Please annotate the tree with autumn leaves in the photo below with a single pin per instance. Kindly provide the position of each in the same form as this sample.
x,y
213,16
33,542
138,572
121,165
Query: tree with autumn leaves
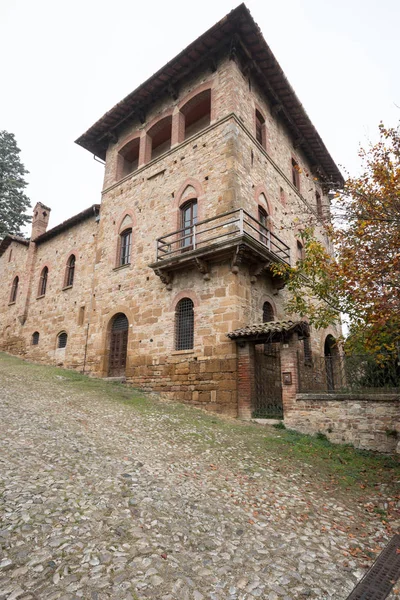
x,y
362,280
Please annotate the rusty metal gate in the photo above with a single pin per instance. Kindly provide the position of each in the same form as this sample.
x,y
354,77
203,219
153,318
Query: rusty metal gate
x,y
268,386
118,346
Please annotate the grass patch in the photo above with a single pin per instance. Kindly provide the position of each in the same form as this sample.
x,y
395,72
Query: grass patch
x,y
342,462
263,447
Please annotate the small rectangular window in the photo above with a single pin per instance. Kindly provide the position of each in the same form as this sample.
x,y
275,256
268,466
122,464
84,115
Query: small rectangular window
x,y
81,316
295,174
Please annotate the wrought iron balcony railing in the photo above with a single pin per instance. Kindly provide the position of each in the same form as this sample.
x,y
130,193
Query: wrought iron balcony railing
x,y
228,229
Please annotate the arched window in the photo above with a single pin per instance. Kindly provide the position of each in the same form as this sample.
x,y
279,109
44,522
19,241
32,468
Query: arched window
x,y
14,290
70,272
35,338
260,129
188,219
197,113
128,158
268,313
295,174
62,339
43,281
125,247
160,136
184,324
263,220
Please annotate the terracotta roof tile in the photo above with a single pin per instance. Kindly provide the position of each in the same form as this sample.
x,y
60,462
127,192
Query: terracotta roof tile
x,y
269,327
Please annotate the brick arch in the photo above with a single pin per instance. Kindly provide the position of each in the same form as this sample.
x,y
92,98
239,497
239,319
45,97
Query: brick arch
x,y
190,181
49,271
185,294
73,252
129,138
207,85
261,189
12,285
164,115
118,224
180,199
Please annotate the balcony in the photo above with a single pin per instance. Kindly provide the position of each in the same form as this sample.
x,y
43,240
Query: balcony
x,y
235,235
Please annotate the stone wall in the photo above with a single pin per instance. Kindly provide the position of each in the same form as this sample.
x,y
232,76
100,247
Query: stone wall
x,y
370,422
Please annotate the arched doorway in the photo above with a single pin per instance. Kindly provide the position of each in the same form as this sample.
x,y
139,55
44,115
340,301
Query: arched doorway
x,y
118,345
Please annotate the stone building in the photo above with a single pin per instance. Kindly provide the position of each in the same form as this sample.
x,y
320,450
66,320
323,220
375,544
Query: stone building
x,y
212,167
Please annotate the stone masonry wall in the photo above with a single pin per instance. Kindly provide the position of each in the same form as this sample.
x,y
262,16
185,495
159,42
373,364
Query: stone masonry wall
x,y
61,308
12,264
368,422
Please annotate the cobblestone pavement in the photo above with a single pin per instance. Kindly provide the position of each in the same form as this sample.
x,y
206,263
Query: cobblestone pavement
x,y
101,499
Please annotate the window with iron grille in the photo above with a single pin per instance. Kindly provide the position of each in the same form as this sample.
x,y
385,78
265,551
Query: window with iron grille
x,y
307,351
14,289
268,312
126,247
43,281
184,324
35,338
62,340
70,271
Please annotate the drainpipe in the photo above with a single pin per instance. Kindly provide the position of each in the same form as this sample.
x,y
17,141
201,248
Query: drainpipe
x,y
97,219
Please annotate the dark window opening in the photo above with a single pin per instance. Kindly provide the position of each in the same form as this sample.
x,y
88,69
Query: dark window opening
x,y
130,157
120,323
197,113
10,256
260,129
160,135
43,281
268,313
35,338
184,325
126,247
318,203
295,174
14,289
188,219
300,251
62,340
263,220
70,271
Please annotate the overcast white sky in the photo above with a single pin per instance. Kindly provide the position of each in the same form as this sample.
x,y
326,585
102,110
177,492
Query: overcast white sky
x,y
64,64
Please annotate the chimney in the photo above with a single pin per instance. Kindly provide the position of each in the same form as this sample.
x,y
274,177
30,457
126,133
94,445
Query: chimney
x,y
40,220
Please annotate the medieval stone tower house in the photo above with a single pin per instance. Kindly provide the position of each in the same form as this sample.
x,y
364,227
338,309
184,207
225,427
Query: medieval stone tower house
x,y
211,168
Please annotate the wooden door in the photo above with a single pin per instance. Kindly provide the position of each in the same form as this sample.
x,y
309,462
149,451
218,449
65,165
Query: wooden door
x,y
118,346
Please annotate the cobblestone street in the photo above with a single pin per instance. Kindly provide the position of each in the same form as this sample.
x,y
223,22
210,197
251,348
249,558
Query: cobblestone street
x,y
102,498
